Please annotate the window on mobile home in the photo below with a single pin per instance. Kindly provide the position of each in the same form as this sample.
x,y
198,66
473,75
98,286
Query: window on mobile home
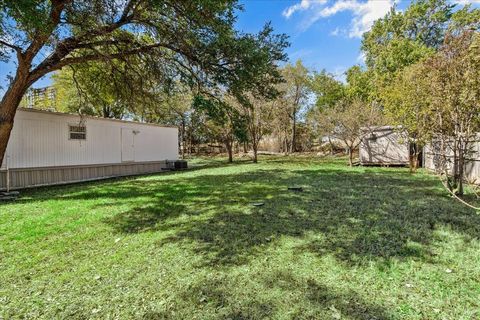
x,y
77,132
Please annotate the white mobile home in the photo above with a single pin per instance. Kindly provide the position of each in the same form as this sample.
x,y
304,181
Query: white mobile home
x,y
384,145
52,148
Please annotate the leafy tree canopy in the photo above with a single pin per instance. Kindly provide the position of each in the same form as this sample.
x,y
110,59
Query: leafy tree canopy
x,y
403,38
194,38
327,89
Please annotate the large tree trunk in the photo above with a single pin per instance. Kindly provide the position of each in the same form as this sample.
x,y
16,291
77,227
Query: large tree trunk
x,y
294,133
461,166
9,104
255,151
229,146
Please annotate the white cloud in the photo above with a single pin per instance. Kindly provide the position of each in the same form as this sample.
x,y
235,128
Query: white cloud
x,y
367,14
465,2
301,6
300,54
361,58
340,73
335,32
364,13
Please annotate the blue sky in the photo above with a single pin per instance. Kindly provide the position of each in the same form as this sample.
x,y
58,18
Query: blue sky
x,y
324,34
324,43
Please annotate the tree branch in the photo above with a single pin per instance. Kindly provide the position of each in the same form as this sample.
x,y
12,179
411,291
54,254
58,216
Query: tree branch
x,y
11,46
43,69
41,37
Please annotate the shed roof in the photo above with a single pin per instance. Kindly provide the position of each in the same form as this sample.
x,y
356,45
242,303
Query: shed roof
x,y
381,128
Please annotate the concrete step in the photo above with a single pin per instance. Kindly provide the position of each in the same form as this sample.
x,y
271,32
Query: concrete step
x,y
9,194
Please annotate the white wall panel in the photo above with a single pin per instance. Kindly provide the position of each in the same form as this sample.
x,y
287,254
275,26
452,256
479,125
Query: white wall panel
x,y
41,139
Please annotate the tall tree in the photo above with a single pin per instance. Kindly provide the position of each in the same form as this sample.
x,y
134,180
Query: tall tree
x,y
295,91
327,90
402,38
195,37
258,114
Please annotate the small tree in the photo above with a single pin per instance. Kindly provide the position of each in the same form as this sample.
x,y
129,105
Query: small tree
x,y
230,124
347,122
257,113
454,82
407,104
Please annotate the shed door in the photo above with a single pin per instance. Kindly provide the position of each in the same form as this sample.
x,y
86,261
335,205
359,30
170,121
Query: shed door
x,y
128,145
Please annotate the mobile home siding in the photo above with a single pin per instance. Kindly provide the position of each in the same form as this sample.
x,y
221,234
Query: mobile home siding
x,y
41,152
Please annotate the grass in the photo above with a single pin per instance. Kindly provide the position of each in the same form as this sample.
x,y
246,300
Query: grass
x,y
357,243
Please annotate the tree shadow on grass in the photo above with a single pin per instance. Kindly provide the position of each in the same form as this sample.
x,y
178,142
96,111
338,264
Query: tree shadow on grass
x,y
377,214
218,296
357,215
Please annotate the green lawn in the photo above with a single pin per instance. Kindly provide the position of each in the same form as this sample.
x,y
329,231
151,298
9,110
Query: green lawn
x,y
357,243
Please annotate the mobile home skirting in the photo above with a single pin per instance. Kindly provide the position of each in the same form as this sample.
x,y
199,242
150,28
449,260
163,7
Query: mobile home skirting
x,y
35,177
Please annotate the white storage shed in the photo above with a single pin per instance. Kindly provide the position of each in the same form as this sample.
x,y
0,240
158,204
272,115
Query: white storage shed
x,y
385,145
48,148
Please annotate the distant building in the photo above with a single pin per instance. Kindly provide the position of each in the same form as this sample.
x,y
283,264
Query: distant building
x,y
40,98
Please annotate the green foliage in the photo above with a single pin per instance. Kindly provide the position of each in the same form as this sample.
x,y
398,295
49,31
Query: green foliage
x,y
327,89
224,116
358,243
465,19
416,74
407,103
295,87
453,86
215,109
359,84
401,39
28,14
143,35
438,99
293,99
93,90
